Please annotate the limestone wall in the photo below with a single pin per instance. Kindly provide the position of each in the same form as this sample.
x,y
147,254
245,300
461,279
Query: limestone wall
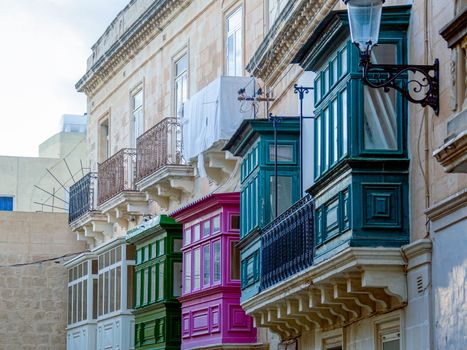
x,y
33,298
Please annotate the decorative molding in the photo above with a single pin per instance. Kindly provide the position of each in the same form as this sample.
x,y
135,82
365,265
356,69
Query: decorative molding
x,y
447,206
138,35
453,154
278,49
456,29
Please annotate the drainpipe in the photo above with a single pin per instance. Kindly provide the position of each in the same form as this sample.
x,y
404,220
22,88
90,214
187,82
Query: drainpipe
x,y
426,118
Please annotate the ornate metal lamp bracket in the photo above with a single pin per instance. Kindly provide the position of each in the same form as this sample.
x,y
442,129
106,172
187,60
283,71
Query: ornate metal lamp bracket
x,y
394,76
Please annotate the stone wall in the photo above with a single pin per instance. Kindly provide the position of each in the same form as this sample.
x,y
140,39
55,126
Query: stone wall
x,y
33,298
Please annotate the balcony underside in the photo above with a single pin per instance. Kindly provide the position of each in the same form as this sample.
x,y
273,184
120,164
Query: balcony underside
x,y
355,284
125,208
92,228
168,184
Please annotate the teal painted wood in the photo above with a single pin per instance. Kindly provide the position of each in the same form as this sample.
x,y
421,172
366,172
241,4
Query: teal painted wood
x,y
373,209
254,141
157,310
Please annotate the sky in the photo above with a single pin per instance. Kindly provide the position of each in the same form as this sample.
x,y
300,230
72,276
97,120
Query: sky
x,y
45,45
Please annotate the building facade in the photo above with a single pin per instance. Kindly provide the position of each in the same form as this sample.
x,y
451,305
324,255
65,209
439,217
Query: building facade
x,y
355,259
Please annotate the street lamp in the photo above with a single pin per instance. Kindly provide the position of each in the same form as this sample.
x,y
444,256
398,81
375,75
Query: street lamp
x,y
365,20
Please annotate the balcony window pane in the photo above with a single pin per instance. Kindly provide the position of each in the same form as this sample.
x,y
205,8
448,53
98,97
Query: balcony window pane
x,y
318,88
112,290
95,300
70,304
118,285
101,294
325,81
130,252
153,283
196,269
284,193
234,261
85,268
160,285
326,139
75,303
177,245
187,272
139,256
284,153
380,119
112,257
196,233
187,236
318,145
334,71
235,220
146,286
138,288
217,261
129,287
177,280
181,84
344,130
85,300
344,60
335,132
106,292
206,265
206,228
161,249
216,224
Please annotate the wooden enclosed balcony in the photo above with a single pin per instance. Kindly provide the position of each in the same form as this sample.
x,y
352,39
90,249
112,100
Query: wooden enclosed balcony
x,y
161,170
118,197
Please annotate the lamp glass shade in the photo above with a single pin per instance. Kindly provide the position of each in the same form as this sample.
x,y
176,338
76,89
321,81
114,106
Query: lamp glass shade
x,y
365,20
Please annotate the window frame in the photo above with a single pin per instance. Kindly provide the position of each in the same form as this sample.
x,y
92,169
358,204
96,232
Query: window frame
x,y
12,198
182,76
227,34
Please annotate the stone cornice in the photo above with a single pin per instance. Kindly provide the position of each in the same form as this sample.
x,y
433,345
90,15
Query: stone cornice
x,y
148,25
447,206
453,154
456,30
295,25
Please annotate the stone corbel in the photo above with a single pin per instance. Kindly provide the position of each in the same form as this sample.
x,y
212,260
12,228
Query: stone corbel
x,y
392,281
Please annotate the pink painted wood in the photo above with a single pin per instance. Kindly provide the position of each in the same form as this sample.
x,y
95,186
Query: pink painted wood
x,y
211,312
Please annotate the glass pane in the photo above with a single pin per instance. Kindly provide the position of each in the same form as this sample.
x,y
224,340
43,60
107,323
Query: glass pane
x,y
206,265
160,286
112,257
70,304
231,55
344,122
85,300
177,245
216,224
234,261
138,288
129,287
196,232
380,123
130,252
139,256
196,269
187,236
326,81
187,272
335,131
177,280
334,71
238,53
235,221
181,65
75,303
146,286
146,253
284,153
85,268
344,59
234,21
318,88
153,284
284,194
101,294
326,140
106,259
95,300
206,228
138,100
112,290
161,248
391,345
318,144
217,261
118,285
106,292
80,270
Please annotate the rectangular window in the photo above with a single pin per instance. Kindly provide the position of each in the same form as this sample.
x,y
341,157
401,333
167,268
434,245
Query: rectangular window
x,y
206,265
187,272
235,221
6,203
138,288
275,7
118,292
284,153
318,144
326,149
335,132
234,44
160,247
216,224
234,261
112,290
344,131
101,294
160,283
206,228
153,283
388,335
177,280
104,140
196,268
216,247
196,233
187,236
181,84
284,194
137,115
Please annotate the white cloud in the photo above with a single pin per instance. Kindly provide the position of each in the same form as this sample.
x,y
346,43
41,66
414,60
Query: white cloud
x,y
45,44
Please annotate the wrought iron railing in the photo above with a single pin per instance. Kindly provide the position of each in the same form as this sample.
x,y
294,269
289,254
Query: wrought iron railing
x,y
82,197
287,243
159,146
116,174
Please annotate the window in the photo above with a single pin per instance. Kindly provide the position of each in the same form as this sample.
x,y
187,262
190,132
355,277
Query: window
x,y
275,7
181,84
388,335
196,268
234,261
187,272
234,51
196,233
104,140
206,265
206,228
6,203
177,280
380,117
160,281
79,278
235,222
188,236
216,224
284,194
137,115
284,153
216,246
250,269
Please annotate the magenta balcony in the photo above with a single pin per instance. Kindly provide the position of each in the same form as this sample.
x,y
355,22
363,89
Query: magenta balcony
x,y
159,146
116,174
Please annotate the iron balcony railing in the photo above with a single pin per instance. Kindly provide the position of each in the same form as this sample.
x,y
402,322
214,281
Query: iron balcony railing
x,y
287,243
82,197
159,146
116,174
